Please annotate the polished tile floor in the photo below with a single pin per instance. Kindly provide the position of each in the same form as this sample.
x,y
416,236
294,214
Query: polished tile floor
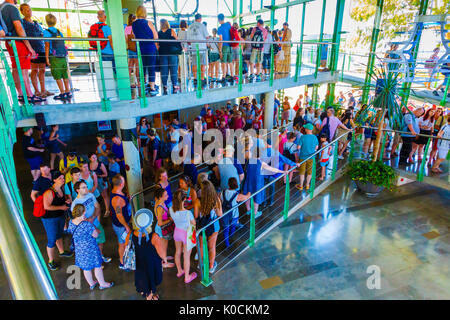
x,y
321,252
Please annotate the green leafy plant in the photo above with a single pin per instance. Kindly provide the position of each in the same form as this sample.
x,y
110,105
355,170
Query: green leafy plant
x,y
376,173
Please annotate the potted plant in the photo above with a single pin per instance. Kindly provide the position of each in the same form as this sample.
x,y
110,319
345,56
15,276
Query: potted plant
x,y
372,176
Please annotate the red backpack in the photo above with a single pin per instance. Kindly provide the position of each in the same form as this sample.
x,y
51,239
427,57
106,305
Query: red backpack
x,y
38,208
234,36
96,32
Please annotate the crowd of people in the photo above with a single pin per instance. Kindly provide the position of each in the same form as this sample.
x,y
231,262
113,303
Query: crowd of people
x,y
82,187
222,58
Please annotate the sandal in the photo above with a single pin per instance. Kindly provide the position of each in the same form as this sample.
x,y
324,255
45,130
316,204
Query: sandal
x,y
191,277
168,265
93,286
106,215
155,296
21,99
169,258
299,187
111,284
436,170
179,275
48,93
307,187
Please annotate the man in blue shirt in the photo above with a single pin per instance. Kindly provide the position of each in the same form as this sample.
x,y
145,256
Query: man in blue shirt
x,y
117,149
107,52
412,125
308,145
224,48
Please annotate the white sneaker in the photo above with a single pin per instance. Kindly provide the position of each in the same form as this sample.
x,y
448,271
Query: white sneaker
x,y
213,268
340,157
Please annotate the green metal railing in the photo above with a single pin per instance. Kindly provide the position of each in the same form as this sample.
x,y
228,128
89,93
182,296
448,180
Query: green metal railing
x,y
204,261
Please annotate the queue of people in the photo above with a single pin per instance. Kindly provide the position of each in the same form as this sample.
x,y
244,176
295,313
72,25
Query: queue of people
x,y
162,57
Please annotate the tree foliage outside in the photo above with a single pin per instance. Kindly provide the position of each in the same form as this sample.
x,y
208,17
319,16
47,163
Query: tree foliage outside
x,y
397,17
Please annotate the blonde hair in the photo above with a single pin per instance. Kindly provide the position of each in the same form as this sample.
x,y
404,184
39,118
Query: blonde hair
x,y
78,210
141,12
50,20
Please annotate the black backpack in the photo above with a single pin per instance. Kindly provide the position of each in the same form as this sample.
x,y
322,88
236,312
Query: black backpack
x,y
259,37
58,47
326,129
226,206
165,150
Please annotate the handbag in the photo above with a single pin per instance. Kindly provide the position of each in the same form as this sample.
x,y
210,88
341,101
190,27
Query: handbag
x,y
168,229
129,255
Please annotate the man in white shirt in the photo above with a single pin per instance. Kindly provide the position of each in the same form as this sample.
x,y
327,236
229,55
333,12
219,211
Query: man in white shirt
x,y
197,31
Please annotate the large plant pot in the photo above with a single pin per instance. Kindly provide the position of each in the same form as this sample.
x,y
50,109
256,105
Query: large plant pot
x,y
368,188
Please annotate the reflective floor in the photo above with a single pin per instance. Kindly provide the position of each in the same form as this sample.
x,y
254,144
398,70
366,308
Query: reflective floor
x,y
323,251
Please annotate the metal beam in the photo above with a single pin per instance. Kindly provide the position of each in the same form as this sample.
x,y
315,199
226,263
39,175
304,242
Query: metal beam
x,y
89,112
279,6
373,47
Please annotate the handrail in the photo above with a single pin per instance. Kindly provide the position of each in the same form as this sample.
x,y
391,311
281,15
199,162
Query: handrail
x,y
406,132
161,40
27,273
181,173
273,181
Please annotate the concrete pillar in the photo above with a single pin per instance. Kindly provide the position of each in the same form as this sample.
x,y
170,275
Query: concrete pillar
x,y
132,161
269,109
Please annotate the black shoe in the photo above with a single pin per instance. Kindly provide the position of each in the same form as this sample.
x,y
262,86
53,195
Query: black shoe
x,y
66,254
52,265
21,99
436,93
165,92
59,97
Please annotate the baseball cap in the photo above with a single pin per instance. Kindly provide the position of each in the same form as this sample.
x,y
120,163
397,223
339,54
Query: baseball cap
x,y
197,16
308,126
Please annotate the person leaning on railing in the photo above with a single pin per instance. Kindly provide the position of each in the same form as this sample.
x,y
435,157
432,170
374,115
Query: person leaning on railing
x,y
144,29
168,56
13,27
412,126
443,146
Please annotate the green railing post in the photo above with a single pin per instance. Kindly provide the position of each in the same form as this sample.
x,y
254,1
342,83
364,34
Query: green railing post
x,y
319,49
444,98
335,160
421,172
251,240
28,109
286,198
343,64
349,62
271,66
383,146
106,104
10,84
240,68
206,281
297,64
352,148
199,74
143,98
312,186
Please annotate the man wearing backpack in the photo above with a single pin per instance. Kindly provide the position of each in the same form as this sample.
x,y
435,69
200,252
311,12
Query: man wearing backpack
x,y
11,24
224,48
259,35
102,30
56,58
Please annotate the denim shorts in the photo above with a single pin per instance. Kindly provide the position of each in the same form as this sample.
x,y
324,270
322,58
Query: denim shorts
x,y
34,162
54,228
119,232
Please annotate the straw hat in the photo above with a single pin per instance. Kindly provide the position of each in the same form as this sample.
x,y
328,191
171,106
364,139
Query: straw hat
x,y
142,222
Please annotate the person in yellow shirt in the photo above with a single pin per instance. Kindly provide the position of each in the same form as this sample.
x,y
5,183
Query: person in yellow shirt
x,y
69,162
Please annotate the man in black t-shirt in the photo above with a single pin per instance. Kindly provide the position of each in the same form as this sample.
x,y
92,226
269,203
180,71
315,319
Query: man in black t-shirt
x,y
43,183
31,152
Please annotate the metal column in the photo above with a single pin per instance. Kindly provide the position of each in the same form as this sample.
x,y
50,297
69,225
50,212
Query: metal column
x,y
373,47
334,57
115,15
319,49
269,98
406,88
